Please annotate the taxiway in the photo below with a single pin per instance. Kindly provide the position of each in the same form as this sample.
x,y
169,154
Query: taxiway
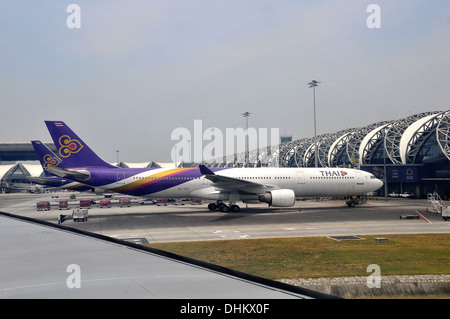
x,y
188,222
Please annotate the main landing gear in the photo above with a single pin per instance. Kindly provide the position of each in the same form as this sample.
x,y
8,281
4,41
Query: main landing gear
x,y
224,207
355,200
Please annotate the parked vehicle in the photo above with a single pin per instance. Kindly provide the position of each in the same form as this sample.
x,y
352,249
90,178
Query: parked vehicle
x,y
196,201
394,194
407,195
125,201
446,213
43,205
105,203
147,201
80,214
178,201
161,201
85,203
63,204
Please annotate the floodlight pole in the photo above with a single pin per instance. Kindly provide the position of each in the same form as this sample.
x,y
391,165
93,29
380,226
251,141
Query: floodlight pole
x,y
175,156
384,163
313,85
246,115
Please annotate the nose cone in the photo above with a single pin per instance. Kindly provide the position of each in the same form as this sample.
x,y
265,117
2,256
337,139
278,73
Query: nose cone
x,y
379,183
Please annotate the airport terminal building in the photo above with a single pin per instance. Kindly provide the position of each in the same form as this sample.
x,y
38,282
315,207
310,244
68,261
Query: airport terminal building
x,y
411,154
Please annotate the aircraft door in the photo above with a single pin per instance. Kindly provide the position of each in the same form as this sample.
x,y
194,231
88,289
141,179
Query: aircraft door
x,y
300,187
359,179
121,177
300,177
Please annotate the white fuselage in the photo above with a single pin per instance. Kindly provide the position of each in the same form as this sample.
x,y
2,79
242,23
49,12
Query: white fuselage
x,y
305,182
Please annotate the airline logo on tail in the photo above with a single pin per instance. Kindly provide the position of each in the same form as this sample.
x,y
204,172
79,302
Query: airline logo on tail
x,y
68,146
51,161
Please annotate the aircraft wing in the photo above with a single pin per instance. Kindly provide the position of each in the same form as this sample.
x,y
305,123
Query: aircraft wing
x,y
233,184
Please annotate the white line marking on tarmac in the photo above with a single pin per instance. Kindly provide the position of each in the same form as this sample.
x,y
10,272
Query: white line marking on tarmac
x,y
423,217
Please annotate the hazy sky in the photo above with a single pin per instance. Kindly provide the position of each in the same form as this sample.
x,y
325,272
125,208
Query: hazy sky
x,y
137,70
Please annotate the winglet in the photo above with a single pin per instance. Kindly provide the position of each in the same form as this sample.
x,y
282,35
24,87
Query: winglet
x,y
205,171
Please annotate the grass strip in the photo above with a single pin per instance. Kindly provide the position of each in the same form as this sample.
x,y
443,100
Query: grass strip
x,y
315,257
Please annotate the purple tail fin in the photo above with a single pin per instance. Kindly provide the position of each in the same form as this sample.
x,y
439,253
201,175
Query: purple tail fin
x,y
46,156
71,149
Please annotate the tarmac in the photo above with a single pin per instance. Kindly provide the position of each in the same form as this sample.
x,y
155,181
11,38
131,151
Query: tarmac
x,y
39,246
188,222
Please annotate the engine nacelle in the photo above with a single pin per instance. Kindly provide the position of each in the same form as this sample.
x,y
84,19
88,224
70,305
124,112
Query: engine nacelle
x,y
279,198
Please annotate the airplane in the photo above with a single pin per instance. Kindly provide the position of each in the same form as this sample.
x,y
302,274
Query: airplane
x,y
32,188
48,159
278,187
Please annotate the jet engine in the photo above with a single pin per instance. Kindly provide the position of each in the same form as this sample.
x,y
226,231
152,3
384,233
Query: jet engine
x,y
279,198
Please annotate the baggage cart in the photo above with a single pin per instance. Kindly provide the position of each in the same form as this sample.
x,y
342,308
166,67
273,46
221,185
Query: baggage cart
x,y
43,205
63,204
125,202
105,203
85,203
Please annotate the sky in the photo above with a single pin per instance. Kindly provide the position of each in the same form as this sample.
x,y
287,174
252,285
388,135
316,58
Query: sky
x,y
136,71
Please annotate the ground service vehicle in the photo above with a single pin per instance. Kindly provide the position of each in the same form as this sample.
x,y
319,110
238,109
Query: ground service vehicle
x,y
446,213
161,201
80,214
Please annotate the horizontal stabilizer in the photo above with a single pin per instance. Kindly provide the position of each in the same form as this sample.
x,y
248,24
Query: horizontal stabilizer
x,y
80,175
45,180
